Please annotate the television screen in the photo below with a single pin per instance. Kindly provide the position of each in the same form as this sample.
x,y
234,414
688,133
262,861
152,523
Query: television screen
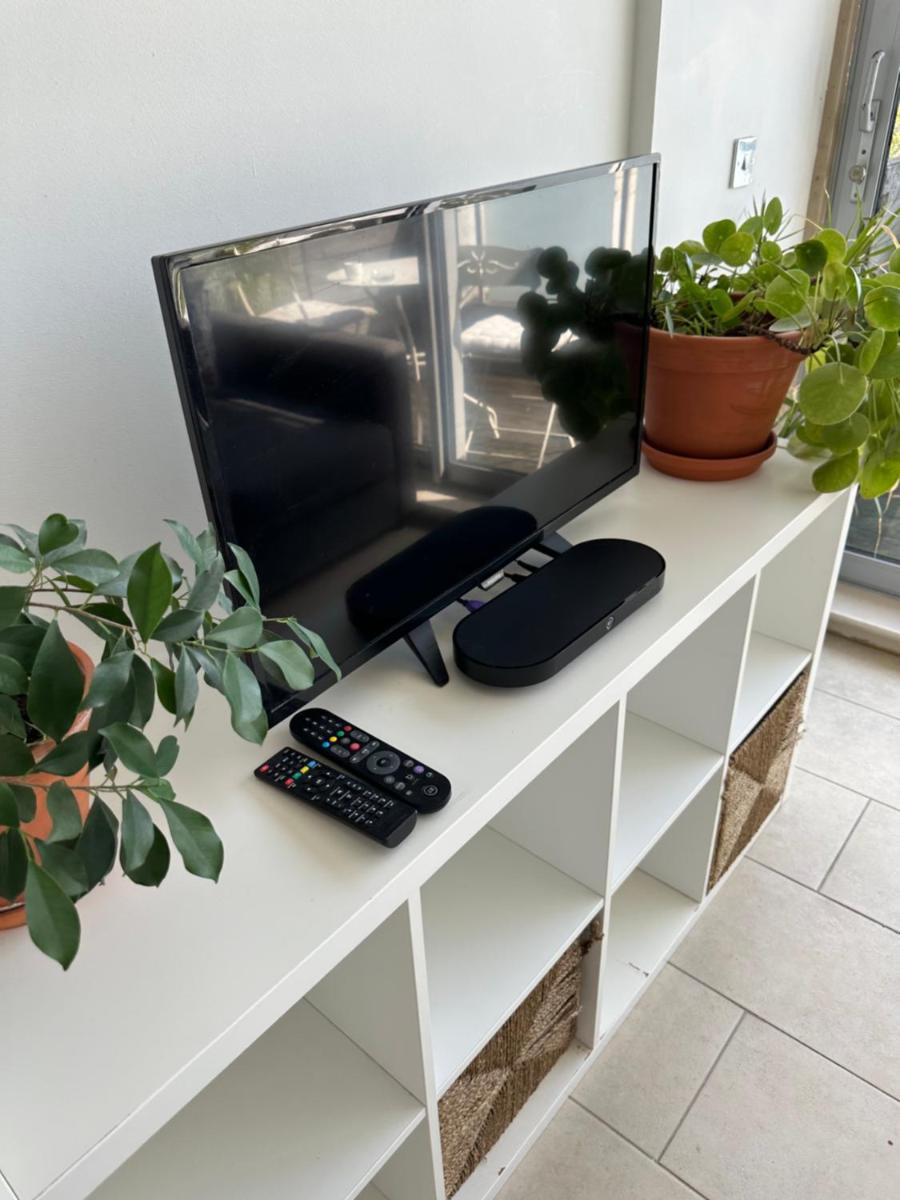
x,y
384,409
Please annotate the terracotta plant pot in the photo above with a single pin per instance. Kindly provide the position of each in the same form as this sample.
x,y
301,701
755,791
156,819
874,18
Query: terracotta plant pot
x,y
12,913
714,397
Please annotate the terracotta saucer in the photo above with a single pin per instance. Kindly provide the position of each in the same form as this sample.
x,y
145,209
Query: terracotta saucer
x,y
709,469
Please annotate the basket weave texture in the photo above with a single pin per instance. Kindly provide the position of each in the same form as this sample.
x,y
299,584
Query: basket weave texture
x,y
757,774
478,1107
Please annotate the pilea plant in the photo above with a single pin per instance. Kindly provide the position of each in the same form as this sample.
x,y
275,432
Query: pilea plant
x,y
835,300
162,628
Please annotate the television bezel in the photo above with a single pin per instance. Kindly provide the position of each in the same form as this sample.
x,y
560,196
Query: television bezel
x,y
166,270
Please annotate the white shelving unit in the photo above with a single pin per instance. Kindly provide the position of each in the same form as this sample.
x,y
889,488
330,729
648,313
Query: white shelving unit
x,y
288,1032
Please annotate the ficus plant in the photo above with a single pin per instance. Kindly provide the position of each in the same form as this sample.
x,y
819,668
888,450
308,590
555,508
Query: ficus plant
x,y
163,628
832,298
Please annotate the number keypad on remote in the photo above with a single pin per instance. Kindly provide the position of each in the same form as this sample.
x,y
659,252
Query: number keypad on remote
x,y
369,759
387,819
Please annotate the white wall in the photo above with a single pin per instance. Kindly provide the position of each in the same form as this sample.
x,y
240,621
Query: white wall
x,y
131,127
726,70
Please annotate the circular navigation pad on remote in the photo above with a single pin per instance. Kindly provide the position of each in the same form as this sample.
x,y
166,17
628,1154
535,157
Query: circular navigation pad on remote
x,y
382,762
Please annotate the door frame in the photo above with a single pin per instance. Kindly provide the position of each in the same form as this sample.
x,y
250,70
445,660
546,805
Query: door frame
x,y
878,29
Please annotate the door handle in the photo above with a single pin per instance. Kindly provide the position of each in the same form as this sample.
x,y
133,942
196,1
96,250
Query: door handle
x,y
869,110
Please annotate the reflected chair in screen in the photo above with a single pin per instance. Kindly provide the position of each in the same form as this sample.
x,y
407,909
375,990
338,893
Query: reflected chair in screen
x,y
311,432
490,280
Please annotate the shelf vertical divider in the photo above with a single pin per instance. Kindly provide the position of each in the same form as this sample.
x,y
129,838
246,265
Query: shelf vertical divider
x,y
421,1175
590,1018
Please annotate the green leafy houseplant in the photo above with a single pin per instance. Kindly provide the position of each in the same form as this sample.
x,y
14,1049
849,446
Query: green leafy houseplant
x,y
835,300
162,629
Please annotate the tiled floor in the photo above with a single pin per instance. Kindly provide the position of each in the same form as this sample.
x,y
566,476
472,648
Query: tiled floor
x,y
764,1061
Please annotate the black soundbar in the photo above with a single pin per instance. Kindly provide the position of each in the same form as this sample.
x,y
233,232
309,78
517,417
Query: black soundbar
x,y
537,627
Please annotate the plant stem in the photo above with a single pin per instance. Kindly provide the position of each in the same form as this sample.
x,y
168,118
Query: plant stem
x,y
89,616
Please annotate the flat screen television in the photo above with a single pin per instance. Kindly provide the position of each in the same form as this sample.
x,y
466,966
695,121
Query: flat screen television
x,y
387,408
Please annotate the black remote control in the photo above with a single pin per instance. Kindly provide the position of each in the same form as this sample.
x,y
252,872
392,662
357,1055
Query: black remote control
x,y
371,760
385,818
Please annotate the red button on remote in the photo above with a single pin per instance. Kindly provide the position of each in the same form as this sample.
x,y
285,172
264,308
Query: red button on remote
x,y
354,745
347,728
265,768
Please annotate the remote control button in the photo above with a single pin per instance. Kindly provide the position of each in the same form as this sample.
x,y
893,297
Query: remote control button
x,y
354,745
408,763
388,779
359,735
383,763
429,790
347,728
340,752
418,768
265,768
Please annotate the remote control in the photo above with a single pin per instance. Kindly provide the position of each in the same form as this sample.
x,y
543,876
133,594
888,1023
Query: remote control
x,y
387,819
371,760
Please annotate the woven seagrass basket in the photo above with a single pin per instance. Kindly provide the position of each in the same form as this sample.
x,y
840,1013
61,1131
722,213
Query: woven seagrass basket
x,y
757,774
478,1107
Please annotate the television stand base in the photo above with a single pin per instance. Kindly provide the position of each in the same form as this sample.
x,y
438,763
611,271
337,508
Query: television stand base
x,y
423,644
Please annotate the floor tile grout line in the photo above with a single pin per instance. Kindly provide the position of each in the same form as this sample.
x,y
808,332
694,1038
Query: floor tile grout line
x,y
798,766
619,1134
859,704
703,1083
793,1037
844,844
824,895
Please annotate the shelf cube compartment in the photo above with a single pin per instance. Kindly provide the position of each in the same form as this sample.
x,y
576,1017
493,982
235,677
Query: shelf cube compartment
x,y
315,1106
662,772
792,598
657,901
481,1105
496,918
693,690
756,778
500,913
302,1111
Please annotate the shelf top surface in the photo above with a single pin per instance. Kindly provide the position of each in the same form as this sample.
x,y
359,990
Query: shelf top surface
x,y
170,986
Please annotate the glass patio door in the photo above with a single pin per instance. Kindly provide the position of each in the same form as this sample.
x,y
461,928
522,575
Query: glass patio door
x,y
868,173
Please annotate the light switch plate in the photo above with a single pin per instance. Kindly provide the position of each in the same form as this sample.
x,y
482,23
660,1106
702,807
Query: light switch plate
x,y
742,161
